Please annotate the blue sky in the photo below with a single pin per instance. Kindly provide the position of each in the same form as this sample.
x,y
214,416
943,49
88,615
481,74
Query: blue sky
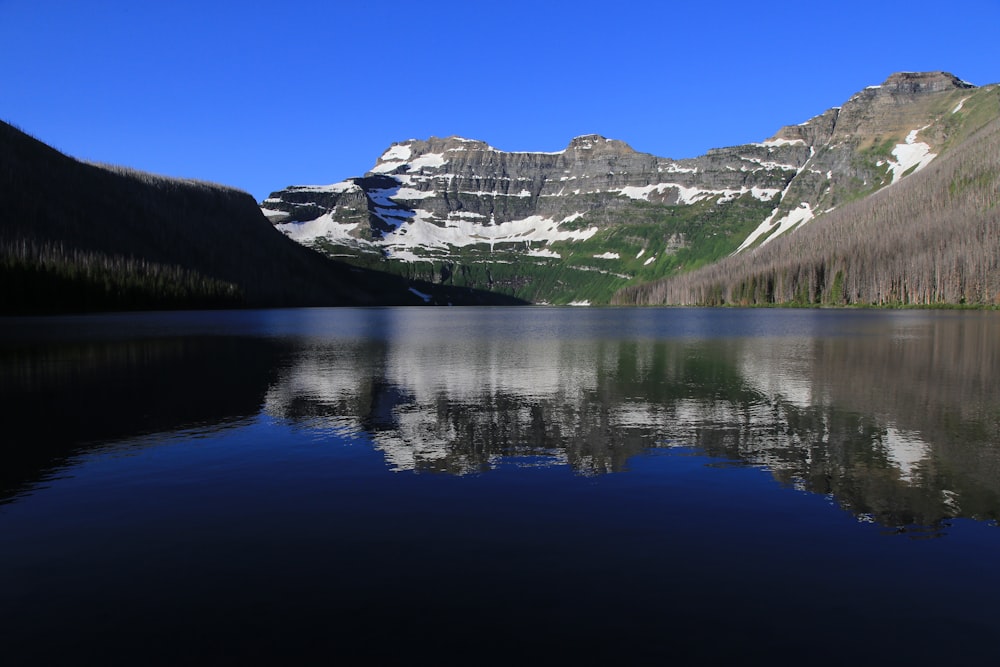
x,y
261,95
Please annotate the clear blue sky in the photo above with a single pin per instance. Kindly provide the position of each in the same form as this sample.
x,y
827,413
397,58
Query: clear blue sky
x,y
261,95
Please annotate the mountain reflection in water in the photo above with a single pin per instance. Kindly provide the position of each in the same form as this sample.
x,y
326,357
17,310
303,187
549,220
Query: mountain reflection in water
x,y
491,485
896,416
897,421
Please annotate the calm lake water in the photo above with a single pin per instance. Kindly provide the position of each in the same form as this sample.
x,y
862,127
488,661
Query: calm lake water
x,y
374,486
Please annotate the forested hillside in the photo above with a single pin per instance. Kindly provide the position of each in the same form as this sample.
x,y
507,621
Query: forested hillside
x,y
931,239
82,237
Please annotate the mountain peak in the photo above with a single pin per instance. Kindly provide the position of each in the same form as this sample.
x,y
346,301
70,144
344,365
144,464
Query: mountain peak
x,y
598,142
923,82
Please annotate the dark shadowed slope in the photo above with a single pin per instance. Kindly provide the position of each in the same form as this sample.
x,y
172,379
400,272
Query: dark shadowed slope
x,y
79,237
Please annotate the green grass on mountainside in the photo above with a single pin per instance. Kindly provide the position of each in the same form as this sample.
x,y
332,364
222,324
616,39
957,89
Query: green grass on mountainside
x,y
638,242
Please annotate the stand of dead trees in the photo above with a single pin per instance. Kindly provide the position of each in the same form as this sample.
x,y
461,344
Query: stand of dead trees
x,y
931,239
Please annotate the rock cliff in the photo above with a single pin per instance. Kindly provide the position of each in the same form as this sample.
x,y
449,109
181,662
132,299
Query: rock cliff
x,y
604,209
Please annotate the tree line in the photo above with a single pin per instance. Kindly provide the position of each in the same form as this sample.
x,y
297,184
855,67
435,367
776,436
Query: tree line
x,y
43,278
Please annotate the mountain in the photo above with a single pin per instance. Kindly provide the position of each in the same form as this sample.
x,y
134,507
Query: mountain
x,y
931,239
578,224
78,237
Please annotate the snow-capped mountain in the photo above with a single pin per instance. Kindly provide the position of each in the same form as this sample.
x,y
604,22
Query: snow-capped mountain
x,y
576,224
456,192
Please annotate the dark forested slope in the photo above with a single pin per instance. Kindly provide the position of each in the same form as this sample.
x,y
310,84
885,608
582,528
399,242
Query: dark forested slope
x,y
78,237
933,238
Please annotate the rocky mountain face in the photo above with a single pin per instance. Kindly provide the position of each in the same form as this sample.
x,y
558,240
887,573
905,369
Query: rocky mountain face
x,y
574,225
929,240
425,188
879,135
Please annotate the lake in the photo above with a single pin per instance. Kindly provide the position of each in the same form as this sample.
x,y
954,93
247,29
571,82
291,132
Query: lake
x,y
476,486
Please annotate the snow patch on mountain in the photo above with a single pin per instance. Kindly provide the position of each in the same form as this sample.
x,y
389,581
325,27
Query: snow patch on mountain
x,y
428,161
765,164
692,195
781,142
494,193
424,230
685,195
343,187
386,167
911,154
797,216
412,193
401,156
400,152
674,168
323,227
271,214
793,219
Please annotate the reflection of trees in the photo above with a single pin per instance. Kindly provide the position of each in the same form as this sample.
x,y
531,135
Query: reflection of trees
x,y
943,383
900,428
58,398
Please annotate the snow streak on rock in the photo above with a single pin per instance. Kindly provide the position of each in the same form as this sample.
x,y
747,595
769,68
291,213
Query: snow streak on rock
x,y
910,155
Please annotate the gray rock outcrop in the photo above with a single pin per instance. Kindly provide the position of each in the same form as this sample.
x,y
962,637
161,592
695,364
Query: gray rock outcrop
x,y
446,192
